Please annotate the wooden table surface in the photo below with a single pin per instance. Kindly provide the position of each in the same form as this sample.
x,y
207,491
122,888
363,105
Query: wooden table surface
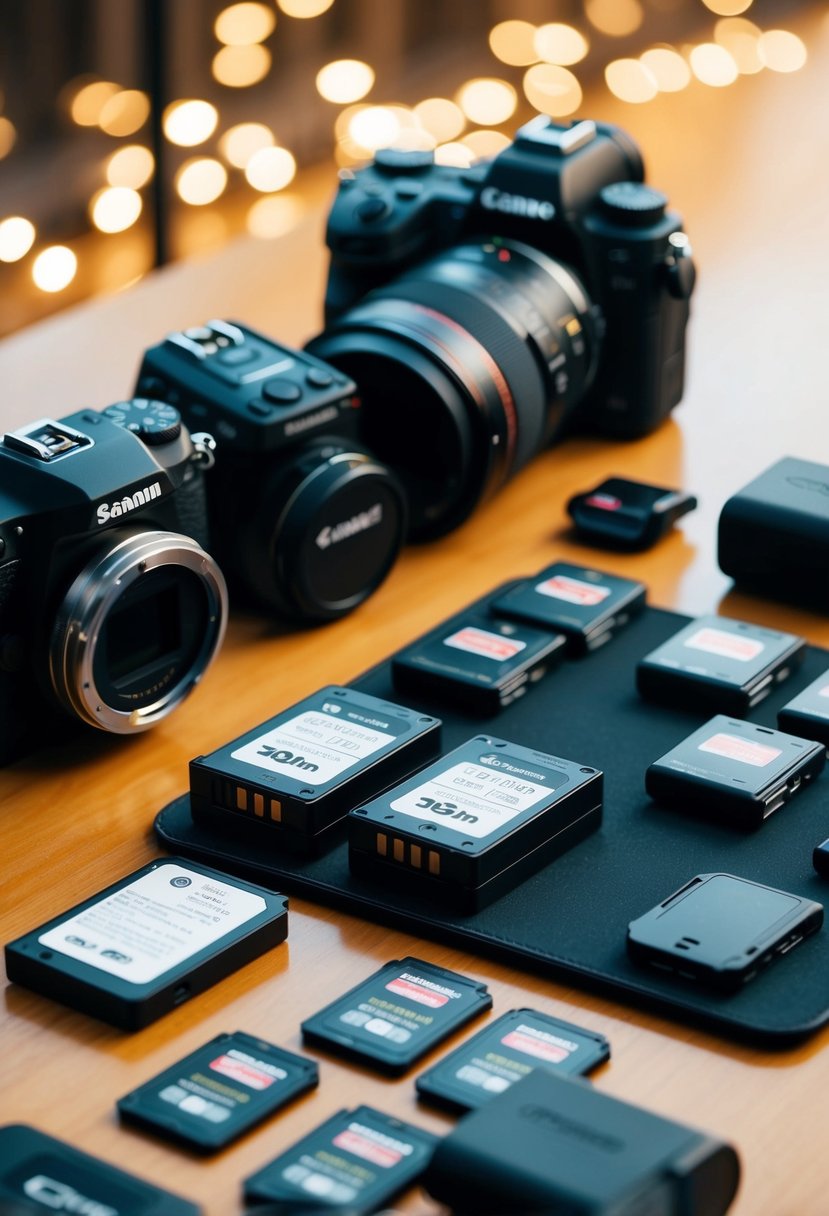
x,y
748,167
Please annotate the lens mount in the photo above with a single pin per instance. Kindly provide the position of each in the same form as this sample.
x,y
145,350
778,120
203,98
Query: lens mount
x,y
137,629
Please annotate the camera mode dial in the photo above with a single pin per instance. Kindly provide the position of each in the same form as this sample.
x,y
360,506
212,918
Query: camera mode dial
x,y
633,204
154,422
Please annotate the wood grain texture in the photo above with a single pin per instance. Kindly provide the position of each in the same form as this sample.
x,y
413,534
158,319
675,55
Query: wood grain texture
x,y
747,168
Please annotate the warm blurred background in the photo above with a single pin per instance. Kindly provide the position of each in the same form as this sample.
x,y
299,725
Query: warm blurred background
x,y
141,131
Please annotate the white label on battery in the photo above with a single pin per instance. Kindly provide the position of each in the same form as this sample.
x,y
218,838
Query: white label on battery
x,y
472,800
488,645
573,590
312,747
154,924
744,750
726,645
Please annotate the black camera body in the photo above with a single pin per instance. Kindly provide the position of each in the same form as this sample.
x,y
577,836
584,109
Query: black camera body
x,y
110,609
304,520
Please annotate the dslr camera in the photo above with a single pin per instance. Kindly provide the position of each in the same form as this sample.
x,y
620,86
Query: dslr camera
x,y
303,519
110,608
483,312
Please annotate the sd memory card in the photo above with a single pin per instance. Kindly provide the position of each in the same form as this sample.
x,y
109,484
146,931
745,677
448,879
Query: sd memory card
x,y
398,1014
807,714
506,1050
358,1157
47,1175
219,1091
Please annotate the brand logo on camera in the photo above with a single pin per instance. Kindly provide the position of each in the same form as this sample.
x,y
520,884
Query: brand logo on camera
x,y
517,204
131,502
810,483
62,1198
350,527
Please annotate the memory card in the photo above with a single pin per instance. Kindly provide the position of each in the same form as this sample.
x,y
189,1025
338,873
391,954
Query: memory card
x,y
506,1050
716,663
807,714
219,1091
476,661
394,1017
50,1175
587,606
149,942
734,772
360,1157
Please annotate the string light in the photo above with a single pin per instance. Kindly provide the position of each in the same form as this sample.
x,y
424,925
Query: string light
x,y
54,268
485,143
131,166
487,101
374,127
617,18
560,43
89,100
630,80
200,180
270,169
304,8
781,51
243,24
668,68
17,235
188,123
8,136
741,38
441,118
552,89
115,208
727,8
513,42
454,154
239,67
712,65
124,113
345,80
274,215
239,143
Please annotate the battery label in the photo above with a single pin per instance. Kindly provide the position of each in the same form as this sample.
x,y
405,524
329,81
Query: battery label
x,y
313,747
726,645
154,924
246,1070
487,645
744,750
472,800
531,1042
573,590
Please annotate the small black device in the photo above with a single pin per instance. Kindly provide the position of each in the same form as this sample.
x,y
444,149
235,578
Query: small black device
x,y
504,1052
716,663
304,519
149,942
807,714
398,1014
734,772
773,535
46,1174
721,930
218,1092
111,610
627,515
556,1144
360,1157
820,859
588,606
476,661
544,288
296,776
476,822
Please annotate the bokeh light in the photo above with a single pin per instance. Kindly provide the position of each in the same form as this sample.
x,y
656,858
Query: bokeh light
x,y
239,143
124,113
727,8
344,80
131,166
487,101
8,136
187,123
270,169
17,235
54,268
485,143
455,154
374,127
741,38
668,68
274,215
304,8
243,24
781,51
513,42
88,102
115,208
239,67
712,65
618,18
200,180
441,117
630,80
552,89
560,43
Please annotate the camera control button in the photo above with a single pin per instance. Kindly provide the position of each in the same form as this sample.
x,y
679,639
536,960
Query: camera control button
x,y
260,410
408,189
371,209
633,203
317,378
281,392
401,160
233,356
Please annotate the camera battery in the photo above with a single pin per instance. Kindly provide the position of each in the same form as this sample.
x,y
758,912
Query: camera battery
x,y
149,942
219,1091
716,663
476,661
807,714
295,777
357,1160
394,1017
734,771
587,606
506,1050
476,822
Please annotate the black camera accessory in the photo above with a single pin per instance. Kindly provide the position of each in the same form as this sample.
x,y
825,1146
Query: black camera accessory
x,y
716,663
109,614
627,515
298,774
49,1175
360,1157
475,823
587,606
149,942
218,1092
398,1014
557,1144
504,1052
807,714
304,518
734,772
820,859
773,536
476,661
722,930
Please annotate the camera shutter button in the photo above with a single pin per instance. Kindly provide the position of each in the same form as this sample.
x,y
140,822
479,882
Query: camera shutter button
x,y
281,392
633,204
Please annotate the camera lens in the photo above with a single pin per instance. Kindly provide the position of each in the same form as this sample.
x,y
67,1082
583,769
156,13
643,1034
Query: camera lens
x,y
136,630
467,366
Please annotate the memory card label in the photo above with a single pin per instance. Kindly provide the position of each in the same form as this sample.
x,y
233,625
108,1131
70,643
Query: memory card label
x,y
532,1042
573,591
371,1145
725,645
488,645
314,747
746,751
154,924
473,800
247,1070
422,991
